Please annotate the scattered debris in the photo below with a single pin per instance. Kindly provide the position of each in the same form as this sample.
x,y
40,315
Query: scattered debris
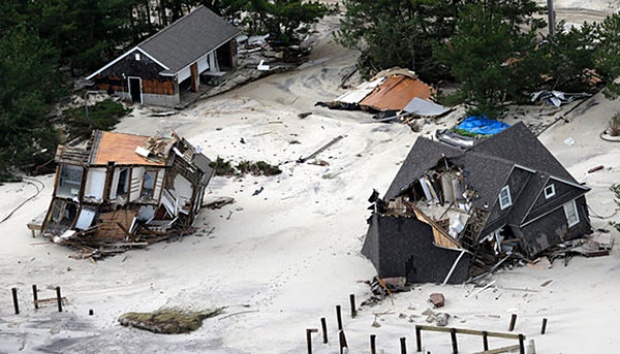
x,y
597,168
320,150
218,203
437,300
557,98
258,191
442,319
304,115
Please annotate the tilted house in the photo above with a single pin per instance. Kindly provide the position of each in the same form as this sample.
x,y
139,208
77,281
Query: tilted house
x,y
157,70
451,209
126,188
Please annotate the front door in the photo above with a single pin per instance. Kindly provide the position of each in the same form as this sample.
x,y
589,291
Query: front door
x,y
135,89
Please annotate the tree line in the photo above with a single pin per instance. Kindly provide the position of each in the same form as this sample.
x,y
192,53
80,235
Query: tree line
x,y
46,44
497,51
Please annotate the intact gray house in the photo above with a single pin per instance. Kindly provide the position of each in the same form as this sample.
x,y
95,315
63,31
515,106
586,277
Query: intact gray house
x,y
171,61
450,209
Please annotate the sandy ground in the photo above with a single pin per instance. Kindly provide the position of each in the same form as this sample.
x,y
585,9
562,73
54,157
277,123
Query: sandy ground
x,y
280,260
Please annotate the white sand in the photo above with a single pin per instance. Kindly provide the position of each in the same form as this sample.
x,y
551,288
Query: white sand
x,y
281,260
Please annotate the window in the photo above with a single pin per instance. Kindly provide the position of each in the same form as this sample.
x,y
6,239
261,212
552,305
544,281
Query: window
x,y
572,216
504,198
549,191
148,184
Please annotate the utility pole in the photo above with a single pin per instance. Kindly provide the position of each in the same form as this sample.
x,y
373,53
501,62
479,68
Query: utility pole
x,y
551,18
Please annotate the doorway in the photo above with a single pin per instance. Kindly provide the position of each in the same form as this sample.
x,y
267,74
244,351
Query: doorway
x,y
135,89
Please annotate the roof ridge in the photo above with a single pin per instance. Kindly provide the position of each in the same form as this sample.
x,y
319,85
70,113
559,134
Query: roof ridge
x,y
168,27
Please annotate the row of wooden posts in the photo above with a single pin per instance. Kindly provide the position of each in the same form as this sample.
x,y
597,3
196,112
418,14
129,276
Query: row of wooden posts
x,y
35,299
418,332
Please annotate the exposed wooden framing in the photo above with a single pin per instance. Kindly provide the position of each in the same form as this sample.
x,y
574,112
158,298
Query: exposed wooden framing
x,y
442,238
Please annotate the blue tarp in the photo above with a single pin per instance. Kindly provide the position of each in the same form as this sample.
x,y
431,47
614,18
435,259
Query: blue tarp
x,y
482,125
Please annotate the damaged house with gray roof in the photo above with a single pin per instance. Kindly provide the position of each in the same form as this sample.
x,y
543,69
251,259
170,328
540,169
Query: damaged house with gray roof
x,y
452,211
123,190
200,46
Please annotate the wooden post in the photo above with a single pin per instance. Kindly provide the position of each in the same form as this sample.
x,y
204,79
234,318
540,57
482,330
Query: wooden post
x,y
324,328
373,349
343,341
339,317
455,345
309,332
59,298
543,329
35,296
418,338
485,340
513,321
15,303
352,302
91,312
403,345
521,344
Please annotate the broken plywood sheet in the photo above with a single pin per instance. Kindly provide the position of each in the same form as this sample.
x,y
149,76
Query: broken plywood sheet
x,y
395,93
425,108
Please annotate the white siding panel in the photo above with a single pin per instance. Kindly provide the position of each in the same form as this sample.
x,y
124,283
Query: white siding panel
x,y
95,183
137,174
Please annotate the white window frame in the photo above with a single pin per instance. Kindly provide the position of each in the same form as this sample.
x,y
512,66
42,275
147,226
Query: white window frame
x,y
551,189
571,213
505,192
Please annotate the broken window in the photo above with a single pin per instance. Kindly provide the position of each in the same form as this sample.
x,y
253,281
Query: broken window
x,y
570,210
148,184
504,198
70,180
549,191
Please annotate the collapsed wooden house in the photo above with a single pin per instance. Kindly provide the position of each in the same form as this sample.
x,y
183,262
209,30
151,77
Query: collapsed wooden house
x,y
452,211
123,190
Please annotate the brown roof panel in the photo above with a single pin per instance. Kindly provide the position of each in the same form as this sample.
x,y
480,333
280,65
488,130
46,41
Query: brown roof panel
x,y
120,148
395,93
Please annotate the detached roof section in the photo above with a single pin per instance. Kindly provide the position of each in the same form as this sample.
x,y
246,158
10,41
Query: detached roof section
x,y
394,89
189,38
395,93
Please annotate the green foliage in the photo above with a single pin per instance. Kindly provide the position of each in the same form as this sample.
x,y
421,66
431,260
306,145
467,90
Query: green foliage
x,y
608,53
285,20
258,168
614,125
397,33
102,115
168,321
29,85
486,55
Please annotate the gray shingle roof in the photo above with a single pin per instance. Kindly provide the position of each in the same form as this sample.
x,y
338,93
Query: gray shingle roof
x,y
487,165
189,38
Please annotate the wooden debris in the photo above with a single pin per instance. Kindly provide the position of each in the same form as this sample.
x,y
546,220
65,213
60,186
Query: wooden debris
x,y
218,203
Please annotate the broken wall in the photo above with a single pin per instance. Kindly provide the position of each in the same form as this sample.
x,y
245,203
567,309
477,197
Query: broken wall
x,y
403,247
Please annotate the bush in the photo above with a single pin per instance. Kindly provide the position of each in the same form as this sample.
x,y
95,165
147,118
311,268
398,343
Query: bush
x,y
614,125
102,115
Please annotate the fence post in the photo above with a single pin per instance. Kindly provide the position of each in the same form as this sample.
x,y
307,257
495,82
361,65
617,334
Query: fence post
x,y
543,330
403,345
339,317
418,338
373,349
59,298
324,328
309,332
15,303
352,302
485,340
521,344
513,321
35,296
343,341
455,345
